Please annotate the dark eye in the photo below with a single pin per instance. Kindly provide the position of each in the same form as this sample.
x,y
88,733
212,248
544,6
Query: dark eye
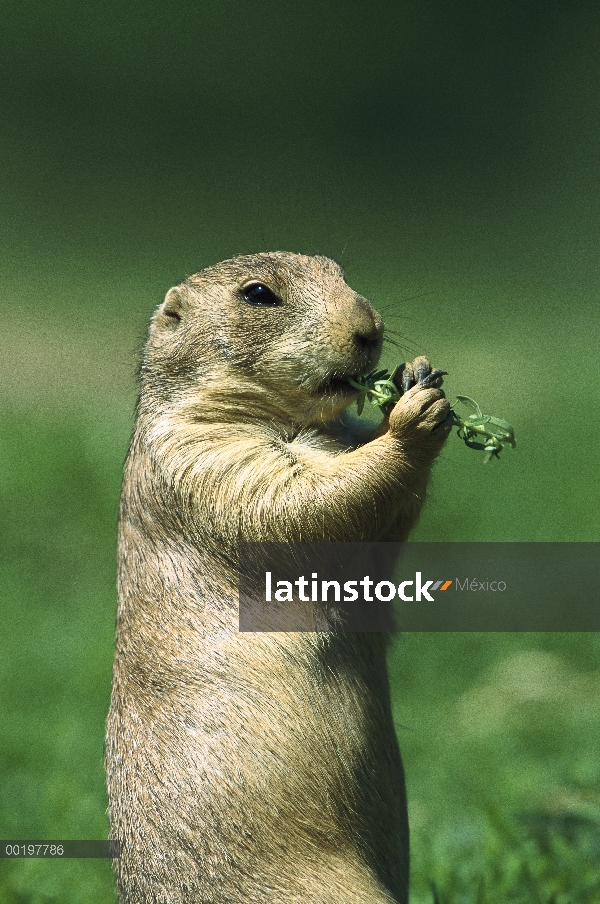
x,y
258,294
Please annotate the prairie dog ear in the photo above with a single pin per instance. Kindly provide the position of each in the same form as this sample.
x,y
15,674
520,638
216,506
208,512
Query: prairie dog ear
x,y
174,306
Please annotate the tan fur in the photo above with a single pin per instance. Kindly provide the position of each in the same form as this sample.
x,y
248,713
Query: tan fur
x,y
257,767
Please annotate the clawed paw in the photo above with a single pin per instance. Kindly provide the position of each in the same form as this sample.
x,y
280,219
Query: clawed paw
x,y
423,411
417,371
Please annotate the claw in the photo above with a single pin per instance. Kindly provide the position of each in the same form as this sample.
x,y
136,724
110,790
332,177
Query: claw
x,y
423,370
407,378
432,378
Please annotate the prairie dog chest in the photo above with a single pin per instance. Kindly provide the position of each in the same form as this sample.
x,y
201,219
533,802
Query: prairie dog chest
x,y
343,435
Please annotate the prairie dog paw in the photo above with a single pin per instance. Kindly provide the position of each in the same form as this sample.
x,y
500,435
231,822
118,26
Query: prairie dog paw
x,y
422,415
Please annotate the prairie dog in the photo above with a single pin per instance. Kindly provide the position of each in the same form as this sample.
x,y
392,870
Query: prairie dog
x,y
258,767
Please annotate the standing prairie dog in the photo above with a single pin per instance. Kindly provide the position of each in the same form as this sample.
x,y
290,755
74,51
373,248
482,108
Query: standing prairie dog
x,y
255,768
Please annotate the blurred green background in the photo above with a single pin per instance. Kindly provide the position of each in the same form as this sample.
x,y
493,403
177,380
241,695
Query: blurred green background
x,y
448,153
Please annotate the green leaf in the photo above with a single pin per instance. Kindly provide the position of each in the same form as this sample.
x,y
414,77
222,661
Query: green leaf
x,y
504,425
471,404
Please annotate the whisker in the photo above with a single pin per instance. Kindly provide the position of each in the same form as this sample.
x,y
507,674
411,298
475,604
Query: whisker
x,y
409,347
390,330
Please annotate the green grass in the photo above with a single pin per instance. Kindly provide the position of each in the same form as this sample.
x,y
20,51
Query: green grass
x,y
500,733
500,737
58,509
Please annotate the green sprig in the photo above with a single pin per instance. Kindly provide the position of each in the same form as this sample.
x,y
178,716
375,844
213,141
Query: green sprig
x,y
479,431
482,431
378,387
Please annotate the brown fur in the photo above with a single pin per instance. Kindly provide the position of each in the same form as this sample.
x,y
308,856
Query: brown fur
x,y
257,767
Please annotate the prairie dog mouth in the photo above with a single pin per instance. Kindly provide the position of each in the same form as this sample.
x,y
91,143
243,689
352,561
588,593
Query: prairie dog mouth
x,y
337,384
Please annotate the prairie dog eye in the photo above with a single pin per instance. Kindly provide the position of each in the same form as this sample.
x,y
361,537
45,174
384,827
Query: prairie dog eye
x,y
259,295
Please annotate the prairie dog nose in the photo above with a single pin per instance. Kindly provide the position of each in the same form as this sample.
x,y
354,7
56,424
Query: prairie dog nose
x,y
368,328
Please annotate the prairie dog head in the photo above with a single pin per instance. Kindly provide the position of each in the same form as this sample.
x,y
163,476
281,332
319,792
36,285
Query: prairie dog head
x,y
265,336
